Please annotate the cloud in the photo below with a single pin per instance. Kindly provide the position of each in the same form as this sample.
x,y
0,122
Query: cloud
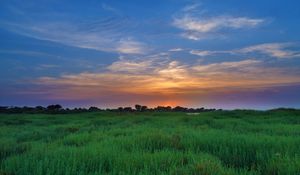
x,y
146,65
47,66
28,53
276,50
234,66
176,50
173,70
64,33
194,35
200,26
191,7
130,66
130,46
72,35
107,34
110,8
250,74
162,78
203,53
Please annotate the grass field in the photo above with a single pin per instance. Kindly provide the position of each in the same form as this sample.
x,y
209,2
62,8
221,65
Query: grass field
x,y
210,143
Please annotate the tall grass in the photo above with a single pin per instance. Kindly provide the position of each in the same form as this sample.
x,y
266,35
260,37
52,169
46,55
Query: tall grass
x,y
212,143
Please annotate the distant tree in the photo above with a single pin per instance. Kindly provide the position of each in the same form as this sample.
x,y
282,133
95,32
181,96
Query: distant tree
x,y
144,108
93,109
200,109
191,110
213,109
180,109
27,109
282,109
169,108
108,109
163,108
127,109
56,107
4,109
39,109
80,110
15,110
138,108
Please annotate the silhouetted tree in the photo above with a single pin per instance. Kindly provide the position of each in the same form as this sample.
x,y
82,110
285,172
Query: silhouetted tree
x,y
94,109
282,109
56,107
180,109
200,109
138,108
3,109
39,109
127,109
163,108
144,108
59,109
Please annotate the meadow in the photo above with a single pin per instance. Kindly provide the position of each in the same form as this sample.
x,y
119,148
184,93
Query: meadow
x,y
240,142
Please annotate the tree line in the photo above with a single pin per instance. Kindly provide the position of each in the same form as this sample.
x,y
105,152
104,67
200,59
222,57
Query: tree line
x,y
58,109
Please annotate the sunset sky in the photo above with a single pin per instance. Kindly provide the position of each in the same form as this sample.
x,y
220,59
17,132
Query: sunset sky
x,y
207,53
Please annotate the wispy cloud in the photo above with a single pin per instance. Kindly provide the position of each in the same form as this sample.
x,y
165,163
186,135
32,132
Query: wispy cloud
x,y
225,67
170,78
47,66
28,53
191,7
130,66
208,25
74,35
108,31
203,53
197,27
176,49
110,8
276,50
129,46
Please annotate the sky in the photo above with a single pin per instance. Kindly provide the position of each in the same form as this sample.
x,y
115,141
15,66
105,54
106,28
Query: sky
x,y
207,53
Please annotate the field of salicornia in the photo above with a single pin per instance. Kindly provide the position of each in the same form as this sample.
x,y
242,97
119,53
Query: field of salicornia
x,y
209,143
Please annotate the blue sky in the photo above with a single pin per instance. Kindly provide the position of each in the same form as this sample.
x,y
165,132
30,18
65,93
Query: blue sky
x,y
225,54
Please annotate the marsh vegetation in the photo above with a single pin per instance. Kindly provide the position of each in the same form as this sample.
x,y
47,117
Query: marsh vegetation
x,y
209,143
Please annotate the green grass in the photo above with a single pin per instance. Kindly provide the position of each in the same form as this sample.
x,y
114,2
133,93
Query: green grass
x,y
212,143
